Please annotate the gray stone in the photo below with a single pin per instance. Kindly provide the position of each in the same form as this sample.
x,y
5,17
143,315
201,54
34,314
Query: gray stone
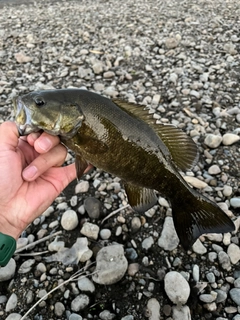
x,y
176,287
147,243
135,224
26,266
8,271
182,313
233,252
214,169
106,315
224,260
80,302
105,234
221,296
230,138
93,207
213,141
235,202
153,308
69,220
168,239
111,265
235,295
75,316
59,309
12,302
90,230
82,187
86,285
14,316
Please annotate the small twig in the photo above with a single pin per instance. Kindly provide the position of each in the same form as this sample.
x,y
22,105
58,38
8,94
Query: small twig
x,y
30,245
115,212
32,254
73,277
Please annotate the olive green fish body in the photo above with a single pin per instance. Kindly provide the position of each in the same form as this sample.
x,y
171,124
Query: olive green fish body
x,y
122,139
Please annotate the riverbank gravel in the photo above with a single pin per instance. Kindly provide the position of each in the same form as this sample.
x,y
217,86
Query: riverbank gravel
x,y
181,59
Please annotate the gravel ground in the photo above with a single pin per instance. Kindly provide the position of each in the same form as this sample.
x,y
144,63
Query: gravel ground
x,y
182,60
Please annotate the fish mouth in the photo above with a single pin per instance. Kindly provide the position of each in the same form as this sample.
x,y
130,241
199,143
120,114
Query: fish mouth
x,y
23,118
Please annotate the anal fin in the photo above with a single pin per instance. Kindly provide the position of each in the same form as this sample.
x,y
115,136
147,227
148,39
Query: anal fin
x,y
140,199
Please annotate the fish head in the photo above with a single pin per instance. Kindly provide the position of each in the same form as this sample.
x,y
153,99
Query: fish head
x,y
49,111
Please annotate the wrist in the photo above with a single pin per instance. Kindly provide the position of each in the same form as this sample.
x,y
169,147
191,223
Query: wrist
x,y
8,228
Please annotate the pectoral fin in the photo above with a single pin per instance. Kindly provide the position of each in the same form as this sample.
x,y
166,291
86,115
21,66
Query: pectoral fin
x,y
140,199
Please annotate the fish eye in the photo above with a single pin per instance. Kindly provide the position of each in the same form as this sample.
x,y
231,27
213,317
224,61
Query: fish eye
x,y
39,101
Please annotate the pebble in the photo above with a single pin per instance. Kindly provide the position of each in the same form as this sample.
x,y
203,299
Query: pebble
x,y
235,295
133,268
227,190
75,316
224,260
195,182
135,224
86,285
22,242
230,138
80,302
82,187
147,243
12,302
69,220
182,313
213,141
111,265
235,202
26,266
90,230
153,309
93,207
198,247
105,234
214,169
168,239
106,315
59,309
233,252
176,287
8,271
14,316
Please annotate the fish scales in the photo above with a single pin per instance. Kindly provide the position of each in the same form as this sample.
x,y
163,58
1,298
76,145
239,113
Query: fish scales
x,y
122,139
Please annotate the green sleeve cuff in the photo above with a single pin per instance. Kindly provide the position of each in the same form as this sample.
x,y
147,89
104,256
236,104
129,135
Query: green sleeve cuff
x,y
7,248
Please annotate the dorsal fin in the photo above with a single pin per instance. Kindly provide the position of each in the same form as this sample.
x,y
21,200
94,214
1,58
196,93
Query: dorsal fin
x,y
183,150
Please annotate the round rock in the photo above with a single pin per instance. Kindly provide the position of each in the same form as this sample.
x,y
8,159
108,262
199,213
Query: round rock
x,y
93,207
80,302
69,220
230,138
176,287
212,140
168,239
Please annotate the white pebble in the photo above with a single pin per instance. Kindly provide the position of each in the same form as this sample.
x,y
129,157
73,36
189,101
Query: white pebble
x,y
235,202
176,287
69,220
82,187
195,182
234,253
90,230
212,140
230,138
214,169
227,190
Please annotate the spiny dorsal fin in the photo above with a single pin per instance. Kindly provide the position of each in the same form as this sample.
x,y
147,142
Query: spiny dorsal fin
x,y
183,150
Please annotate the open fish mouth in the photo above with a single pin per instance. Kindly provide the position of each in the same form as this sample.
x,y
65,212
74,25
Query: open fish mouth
x,y
23,118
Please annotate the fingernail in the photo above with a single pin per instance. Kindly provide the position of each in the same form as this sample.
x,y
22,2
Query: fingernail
x,y
29,172
35,135
45,143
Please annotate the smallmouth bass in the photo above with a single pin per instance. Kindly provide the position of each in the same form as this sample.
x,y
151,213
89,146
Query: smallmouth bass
x,y
121,138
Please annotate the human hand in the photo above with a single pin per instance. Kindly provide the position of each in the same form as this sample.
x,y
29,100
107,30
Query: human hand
x,y
31,176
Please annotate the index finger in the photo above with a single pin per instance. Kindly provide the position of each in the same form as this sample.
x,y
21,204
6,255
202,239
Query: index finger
x,y
43,142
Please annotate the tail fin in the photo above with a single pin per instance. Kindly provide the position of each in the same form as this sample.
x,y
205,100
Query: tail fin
x,y
197,216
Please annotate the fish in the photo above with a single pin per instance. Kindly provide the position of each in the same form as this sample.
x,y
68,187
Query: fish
x,y
124,140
